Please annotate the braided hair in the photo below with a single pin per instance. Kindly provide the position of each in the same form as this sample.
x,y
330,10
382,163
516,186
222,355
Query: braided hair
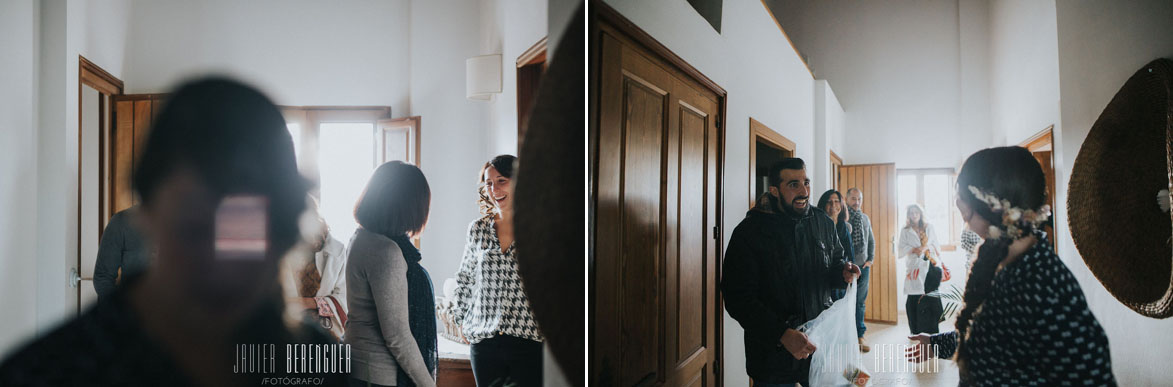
x,y
1012,174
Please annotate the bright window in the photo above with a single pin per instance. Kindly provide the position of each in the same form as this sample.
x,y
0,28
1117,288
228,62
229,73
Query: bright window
x,y
339,147
346,159
933,190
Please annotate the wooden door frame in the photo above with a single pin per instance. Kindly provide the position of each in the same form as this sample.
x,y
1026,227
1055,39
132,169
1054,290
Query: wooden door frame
x,y
526,96
1040,140
759,131
835,162
92,75
603,14
1038,143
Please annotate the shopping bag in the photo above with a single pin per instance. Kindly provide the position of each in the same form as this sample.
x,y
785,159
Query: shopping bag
x,y
836,361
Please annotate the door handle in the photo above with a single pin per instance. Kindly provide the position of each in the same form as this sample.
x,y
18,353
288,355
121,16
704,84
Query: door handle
x,y
74,278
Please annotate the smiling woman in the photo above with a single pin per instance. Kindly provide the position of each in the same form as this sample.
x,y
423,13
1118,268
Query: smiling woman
x,y
491,306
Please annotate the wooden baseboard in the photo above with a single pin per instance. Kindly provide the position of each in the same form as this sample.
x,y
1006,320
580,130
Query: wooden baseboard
x,y
454,372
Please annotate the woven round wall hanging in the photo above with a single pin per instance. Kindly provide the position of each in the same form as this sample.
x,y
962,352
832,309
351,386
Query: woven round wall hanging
x,y
1118,197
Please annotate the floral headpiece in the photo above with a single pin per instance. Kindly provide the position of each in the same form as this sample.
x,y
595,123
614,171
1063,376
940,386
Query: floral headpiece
x,y
1016,222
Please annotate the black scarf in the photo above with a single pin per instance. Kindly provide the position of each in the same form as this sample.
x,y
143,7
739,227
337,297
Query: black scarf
x,y
421,308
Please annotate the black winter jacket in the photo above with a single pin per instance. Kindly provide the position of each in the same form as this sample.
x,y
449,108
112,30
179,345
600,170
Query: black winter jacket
x,y
779,272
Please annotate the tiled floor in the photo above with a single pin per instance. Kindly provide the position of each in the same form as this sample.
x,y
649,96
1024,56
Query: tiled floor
x,y
890,368
887,364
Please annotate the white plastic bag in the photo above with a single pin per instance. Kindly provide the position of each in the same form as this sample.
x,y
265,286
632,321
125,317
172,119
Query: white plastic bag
x,y
836,360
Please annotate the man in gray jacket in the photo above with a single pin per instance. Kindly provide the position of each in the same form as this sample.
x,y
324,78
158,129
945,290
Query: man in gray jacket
x,y
864,242
122,247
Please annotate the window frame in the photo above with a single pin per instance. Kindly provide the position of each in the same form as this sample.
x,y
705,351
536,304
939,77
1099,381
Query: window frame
x,y
310,119
952,241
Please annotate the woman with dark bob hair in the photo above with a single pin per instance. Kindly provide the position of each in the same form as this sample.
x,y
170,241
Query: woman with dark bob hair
x,y
392,323
220,196
491,306
1025,319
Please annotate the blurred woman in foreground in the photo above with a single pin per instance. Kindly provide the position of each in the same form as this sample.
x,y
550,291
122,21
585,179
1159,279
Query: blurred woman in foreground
x,y
221,196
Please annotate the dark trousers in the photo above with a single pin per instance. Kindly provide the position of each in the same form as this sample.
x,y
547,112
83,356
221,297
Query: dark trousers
x,y
860,298
924,313
507,361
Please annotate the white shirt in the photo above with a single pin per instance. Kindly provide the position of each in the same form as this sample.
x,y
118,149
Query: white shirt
x,y
916,268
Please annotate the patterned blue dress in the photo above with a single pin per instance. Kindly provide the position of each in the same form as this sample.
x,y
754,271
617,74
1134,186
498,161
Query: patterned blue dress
x,y
1034,329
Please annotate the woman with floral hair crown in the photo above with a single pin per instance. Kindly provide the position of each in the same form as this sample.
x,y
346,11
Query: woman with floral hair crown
x,y
1025,320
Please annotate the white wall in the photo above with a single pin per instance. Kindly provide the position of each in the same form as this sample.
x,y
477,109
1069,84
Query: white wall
x,y
898,72
52,168
509,28
974,130
1024,69
454,128
836,123
764,79
558,18
66,30
405,54
104,34
300,52
829,129
820,161
1101,44
19,23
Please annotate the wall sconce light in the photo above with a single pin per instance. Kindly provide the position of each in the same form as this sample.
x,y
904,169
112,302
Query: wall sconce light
x,y
482,77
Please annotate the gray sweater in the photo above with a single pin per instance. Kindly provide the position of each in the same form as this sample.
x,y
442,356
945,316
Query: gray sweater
x,y
122,247
377,330
861,231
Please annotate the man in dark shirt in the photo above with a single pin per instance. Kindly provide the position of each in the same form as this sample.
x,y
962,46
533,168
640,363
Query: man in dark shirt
x,y
122,247
782,264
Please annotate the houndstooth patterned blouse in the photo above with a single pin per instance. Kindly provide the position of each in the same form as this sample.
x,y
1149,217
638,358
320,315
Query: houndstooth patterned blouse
x,y
490,299
1034,329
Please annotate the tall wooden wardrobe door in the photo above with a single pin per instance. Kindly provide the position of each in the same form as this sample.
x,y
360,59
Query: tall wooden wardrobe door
x,y
133,116
656,309
877,183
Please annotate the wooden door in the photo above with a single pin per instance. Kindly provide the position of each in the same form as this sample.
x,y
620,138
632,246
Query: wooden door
x,y
656,311
1044,158
836,163
766,147
133,115
1040,145
531,65
877,182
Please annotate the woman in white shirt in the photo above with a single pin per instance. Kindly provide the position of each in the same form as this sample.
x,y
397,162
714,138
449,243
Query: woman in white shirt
x,y
918,247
